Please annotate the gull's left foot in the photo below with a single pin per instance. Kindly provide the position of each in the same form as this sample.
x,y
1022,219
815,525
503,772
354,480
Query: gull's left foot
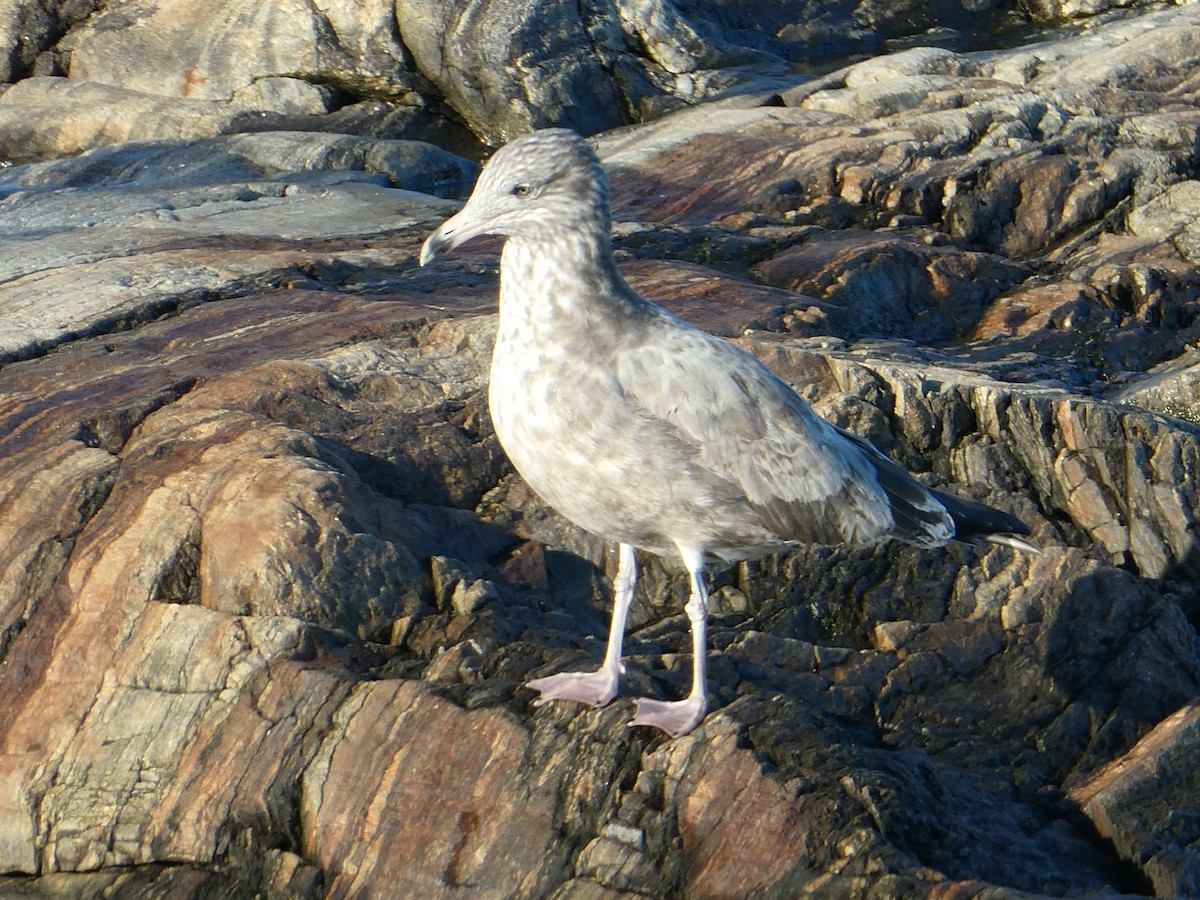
x,y
676,718
593,688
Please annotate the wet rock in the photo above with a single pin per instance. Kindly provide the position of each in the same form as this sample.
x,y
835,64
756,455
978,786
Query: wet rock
x,y
1171,388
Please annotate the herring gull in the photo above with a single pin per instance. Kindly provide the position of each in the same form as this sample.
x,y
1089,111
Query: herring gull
x,y
646,431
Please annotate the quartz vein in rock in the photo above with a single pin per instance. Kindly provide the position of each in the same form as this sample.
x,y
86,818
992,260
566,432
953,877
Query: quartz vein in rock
x,y
644,430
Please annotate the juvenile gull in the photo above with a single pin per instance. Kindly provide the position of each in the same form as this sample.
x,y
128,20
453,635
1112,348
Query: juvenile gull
x,y
646,431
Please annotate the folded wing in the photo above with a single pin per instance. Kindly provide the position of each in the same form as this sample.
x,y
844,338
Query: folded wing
x,y
809,481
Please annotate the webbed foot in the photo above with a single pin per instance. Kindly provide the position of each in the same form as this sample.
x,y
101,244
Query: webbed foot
x,y
593,688
676,718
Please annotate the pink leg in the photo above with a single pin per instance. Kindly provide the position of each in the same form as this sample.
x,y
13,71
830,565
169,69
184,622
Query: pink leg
x,y
599,687
681,716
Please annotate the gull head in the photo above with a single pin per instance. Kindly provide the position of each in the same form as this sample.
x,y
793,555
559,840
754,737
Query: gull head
x,y
536,188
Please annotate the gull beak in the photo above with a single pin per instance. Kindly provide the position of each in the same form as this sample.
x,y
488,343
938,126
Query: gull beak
x,y
458,229
435,245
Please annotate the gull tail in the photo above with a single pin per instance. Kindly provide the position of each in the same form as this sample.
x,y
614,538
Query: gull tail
x,y
975,521
920,512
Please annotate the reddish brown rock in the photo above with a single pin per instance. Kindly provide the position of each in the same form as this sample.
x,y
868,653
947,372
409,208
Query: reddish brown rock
x,y
440,815
878,285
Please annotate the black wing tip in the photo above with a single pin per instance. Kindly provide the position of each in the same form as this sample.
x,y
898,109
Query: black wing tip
x,y
975,520
919,521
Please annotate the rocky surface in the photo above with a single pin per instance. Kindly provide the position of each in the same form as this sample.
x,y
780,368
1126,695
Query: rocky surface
x,y
269,588
85,74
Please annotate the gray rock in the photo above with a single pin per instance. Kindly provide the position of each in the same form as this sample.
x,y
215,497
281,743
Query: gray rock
x,y
241,188
1171,214
172,70
28,31
508,67
168,50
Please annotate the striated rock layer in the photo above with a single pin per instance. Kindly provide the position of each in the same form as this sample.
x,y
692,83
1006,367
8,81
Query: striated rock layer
x,y
269,588
86,74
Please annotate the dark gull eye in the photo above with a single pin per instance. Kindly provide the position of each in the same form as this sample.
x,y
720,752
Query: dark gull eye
x,y
521,190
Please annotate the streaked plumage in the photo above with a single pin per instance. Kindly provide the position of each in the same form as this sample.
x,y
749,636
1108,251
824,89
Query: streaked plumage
x,y
646,431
